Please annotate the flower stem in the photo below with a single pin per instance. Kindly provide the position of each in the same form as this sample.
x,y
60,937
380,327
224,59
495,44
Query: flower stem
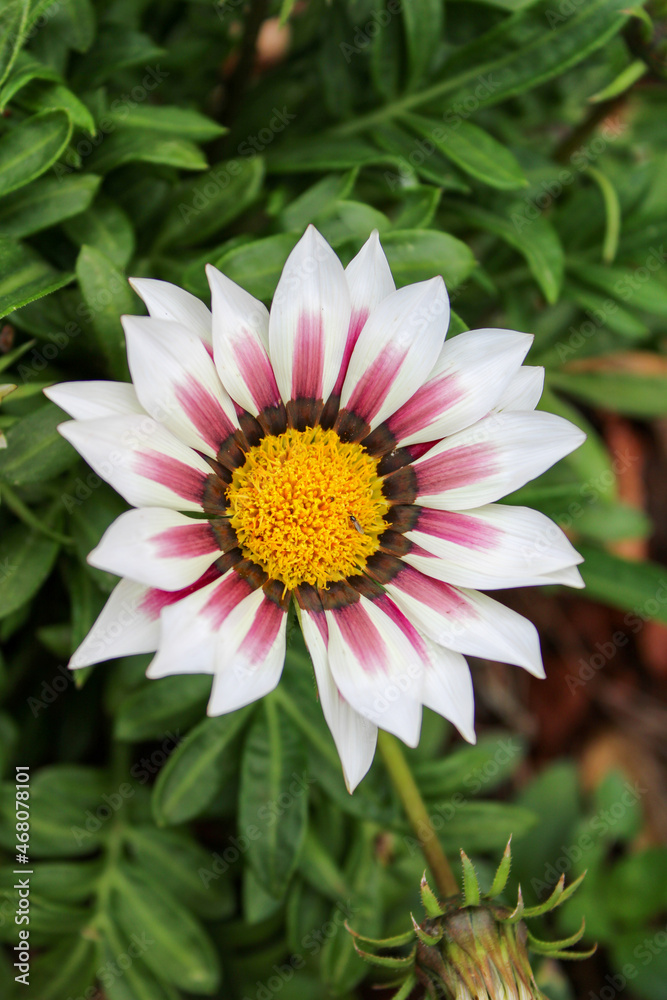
x,y
415,809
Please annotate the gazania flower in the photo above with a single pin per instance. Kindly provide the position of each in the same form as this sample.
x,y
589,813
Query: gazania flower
x,y
336,452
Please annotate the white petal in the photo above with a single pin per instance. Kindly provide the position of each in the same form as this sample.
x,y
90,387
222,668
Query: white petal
x,y
309,320
177,383
466,621
524,391
143,462
376,669
492,458
469,377
490,547
123,628
448,690
240,344
355,737
167,301
568,577
90,400
396,350
160,548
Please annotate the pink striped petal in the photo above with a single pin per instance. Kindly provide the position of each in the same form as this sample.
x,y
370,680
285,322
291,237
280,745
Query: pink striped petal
x,y
489,547
169,302
177,383
376,666
90,400
370,281
395,352
240,344
466,621
491,459
468,379
355,737
157,547
143,462
309,320
123,628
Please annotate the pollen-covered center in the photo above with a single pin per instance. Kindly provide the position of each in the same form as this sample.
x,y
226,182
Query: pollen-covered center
x,y
307,507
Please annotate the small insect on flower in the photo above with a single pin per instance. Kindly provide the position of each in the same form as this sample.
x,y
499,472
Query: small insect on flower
x,y
356,524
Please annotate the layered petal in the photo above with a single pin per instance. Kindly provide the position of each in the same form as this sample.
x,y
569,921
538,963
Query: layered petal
x,y
524,391
486,461
395,352
309,321
143,462
160,548
124,627
489,547
169,302
177,383
447,689
469,378
355,736
240,345
90,400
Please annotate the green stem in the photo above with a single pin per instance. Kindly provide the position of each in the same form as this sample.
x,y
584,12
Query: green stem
x,y
415,809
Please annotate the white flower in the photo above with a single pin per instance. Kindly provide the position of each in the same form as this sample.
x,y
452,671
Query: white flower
x,y
337,452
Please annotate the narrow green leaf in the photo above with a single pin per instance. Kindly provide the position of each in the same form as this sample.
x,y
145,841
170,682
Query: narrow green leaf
x,y
137,981
106,227
65,970
424,22
45,203
35,450
612,208
77,19
14,23
645,292
46,96
535,240
413,158
418,254
25,69
25,276
157,705
473,150
325,154
119,47
181,951
128,145
273,798
193,774
625,79
257,266
30,148
632,394
26,560
107,294
183,122
639,588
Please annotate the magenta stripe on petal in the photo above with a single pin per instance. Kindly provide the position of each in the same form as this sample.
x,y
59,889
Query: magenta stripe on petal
x,y
433,593
398,618
460,529
205,412
257,373
357,323
232,590
362,637
308,358
186,541
257,643
155,600
455,468
185,481
424,407
372,388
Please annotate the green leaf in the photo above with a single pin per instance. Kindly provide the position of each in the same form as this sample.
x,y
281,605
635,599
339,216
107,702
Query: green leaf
x,y
14,23
130,145
45,203
257,266
108,295
35,450
137,982
118,47
635,395
325,154
411,160
181,951
89,521
77,18
206,204
150,711
637,587
273,798
418,254
473,150
41,96
183,122
615,316
424,22
471,770
31,147
26,69
193,774
185,868
535,240
417,207
66,970
67,881
647,292
351,220
481,826
25,276
106,227
305,208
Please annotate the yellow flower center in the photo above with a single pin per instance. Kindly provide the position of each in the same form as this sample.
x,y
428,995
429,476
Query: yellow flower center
x,y
307,507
